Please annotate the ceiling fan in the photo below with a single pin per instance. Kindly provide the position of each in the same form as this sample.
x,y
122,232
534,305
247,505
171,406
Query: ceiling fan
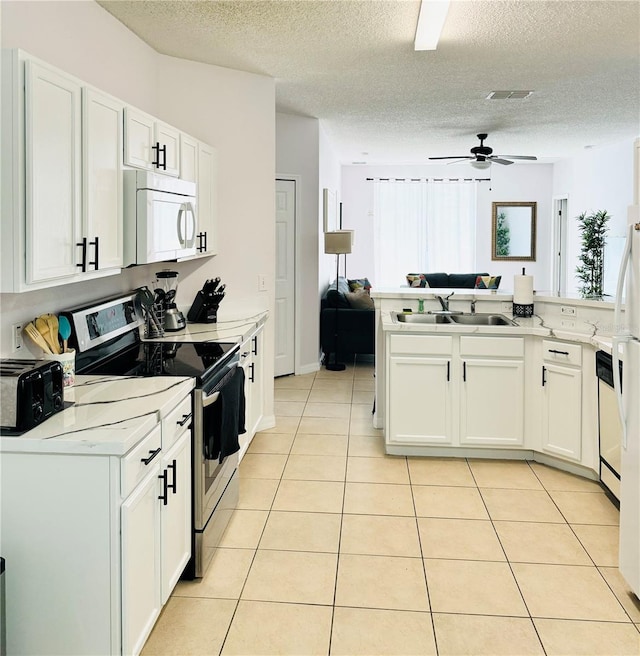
x,y
481,156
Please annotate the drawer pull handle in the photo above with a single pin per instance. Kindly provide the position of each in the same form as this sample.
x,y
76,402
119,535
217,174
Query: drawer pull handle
x,y
544,376
164,495
152,455
448,370
172,486
559,352
464,372
184,420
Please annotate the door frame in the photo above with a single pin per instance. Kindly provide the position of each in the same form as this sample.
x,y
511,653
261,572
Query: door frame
x,y
559,244
297,180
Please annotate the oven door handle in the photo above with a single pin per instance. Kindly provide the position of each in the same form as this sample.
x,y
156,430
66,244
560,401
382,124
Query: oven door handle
x,y
210,400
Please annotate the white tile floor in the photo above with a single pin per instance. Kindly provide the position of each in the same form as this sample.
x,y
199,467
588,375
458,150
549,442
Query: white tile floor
x,y
339,549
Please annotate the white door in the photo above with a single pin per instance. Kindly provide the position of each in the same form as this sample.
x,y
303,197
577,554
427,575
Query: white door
x,y
285,277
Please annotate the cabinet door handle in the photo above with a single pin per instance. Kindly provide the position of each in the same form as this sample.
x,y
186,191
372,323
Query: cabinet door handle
x,y
152,455
544,376
95,244
464,372
83,245
448,370
160,149
255,345
206,246
559,352
172,486
252,374
184,420
164,495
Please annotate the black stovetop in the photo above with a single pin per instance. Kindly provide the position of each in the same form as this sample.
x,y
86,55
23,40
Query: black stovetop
x,y
167,358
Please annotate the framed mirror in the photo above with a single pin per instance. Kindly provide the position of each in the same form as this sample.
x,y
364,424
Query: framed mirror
x,y
513,231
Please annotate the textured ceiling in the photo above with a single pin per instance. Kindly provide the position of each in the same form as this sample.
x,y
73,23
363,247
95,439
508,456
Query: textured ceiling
x,y
351,63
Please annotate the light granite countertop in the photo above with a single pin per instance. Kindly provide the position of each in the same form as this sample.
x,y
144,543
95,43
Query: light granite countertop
x,y
109,415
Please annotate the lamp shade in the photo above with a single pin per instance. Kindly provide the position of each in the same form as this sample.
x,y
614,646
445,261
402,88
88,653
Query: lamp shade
x,y
338,242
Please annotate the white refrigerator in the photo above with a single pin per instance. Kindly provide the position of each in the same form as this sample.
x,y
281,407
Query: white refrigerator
x,y
627,343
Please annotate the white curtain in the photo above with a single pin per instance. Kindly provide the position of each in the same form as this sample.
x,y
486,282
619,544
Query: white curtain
x,y
422,227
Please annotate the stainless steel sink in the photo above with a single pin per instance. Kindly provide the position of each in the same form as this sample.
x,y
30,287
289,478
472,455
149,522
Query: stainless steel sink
x,y
482,320
422,318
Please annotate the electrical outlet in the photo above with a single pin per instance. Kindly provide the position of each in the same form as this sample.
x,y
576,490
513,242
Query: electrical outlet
x,y
567,323
17,337
568,311
262,282
507,307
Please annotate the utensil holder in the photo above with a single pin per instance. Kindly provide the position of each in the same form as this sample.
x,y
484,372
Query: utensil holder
x,y
151,330
68,363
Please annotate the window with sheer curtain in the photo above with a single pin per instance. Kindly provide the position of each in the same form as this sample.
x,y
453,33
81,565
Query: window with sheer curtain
x,y
423,226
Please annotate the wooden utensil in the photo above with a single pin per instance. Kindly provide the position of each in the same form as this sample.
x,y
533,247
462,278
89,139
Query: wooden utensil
x,y
33,334
52,322
64,329
43,329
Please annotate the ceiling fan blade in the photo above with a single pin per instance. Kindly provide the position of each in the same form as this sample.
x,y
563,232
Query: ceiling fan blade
x,y
497,160
530,157
454,157
464,159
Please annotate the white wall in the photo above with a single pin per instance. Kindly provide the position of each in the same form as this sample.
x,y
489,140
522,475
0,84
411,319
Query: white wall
x,y
600,179
231,110
519,182
298,154
330,178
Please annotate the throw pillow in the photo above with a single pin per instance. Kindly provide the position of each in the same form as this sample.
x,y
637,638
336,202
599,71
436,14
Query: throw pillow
x,y
417,280
488,282
359,283
360,300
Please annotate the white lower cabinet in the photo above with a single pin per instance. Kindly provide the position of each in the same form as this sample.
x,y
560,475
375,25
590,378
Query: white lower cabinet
x,y
113,551
562,400
455,390
141,539
251,360
421,405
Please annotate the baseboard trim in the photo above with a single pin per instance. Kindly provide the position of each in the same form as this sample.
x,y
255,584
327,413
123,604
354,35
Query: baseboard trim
x,y
266,423
308,369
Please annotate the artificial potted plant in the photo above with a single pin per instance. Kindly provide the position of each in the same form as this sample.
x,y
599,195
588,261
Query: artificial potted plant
x,y
590,271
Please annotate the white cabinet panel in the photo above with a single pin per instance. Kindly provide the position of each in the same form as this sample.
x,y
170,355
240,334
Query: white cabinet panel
x,y
176,514
138,139
141,594
102,179
188,158
207,203
419,400
53,173
167,139
562,411
492,402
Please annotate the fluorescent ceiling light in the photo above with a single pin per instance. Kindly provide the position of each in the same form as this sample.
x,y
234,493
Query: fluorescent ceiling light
x,y
433,14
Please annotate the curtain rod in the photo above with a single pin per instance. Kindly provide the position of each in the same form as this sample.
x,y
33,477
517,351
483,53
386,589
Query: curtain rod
x,y
428,179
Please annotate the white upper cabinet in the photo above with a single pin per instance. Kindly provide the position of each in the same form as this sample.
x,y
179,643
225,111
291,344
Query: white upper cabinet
x,y
102,179
150,144
61,177
188,158
207,200
53,174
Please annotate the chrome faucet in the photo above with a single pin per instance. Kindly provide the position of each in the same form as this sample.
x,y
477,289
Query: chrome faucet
x,y
444,302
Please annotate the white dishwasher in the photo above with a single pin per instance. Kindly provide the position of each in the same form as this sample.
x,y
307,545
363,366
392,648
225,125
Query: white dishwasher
x,y
609,425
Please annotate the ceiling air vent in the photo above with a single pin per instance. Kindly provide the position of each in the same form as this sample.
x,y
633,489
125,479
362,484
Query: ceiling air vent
x,y
509,95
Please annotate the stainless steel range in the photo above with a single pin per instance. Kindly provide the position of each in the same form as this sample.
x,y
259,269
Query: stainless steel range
x,y
106,336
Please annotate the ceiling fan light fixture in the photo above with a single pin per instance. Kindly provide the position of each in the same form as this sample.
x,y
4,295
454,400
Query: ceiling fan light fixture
x,y
480,164
433,14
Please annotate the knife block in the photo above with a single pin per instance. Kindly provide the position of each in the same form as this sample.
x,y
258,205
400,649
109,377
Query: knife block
x,y
204,308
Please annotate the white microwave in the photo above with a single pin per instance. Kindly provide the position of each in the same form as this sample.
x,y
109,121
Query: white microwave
x,y
159,217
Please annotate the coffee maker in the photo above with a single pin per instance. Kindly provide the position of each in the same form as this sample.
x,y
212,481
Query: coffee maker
x,y
167,288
